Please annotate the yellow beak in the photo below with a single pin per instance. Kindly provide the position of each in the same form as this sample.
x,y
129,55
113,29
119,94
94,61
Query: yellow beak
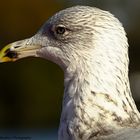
x,y
18,50
7,55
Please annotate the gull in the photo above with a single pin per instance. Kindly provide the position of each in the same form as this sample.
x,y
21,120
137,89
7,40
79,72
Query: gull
x,y
91,47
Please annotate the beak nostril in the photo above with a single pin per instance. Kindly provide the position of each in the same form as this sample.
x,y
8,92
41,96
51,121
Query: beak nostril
x,y
16,47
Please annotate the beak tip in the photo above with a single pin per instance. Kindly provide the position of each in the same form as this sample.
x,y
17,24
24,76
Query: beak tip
x,y
3,53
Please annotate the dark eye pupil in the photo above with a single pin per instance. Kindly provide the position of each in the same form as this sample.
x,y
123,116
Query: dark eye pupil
x,y
60,30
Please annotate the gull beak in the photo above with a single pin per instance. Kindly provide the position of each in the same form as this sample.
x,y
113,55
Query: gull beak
x,y
18,50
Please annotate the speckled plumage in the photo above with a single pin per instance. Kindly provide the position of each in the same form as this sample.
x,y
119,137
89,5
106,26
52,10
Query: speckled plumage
x,y
97,99
93,53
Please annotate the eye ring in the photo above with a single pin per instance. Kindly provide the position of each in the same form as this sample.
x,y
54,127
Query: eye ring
x,y
60,30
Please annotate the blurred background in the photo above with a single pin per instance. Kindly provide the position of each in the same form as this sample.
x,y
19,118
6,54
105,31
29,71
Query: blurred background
x,y
31,89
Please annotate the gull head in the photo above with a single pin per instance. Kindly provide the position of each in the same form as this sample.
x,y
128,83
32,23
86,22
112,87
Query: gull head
x,y
72,35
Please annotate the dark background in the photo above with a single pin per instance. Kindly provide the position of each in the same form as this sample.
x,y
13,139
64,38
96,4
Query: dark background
x,y
31,89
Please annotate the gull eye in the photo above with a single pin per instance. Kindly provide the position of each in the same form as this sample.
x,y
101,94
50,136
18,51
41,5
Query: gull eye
x,y
60,30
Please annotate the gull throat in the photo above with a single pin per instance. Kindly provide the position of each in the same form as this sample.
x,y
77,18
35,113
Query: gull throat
x,y
94,103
